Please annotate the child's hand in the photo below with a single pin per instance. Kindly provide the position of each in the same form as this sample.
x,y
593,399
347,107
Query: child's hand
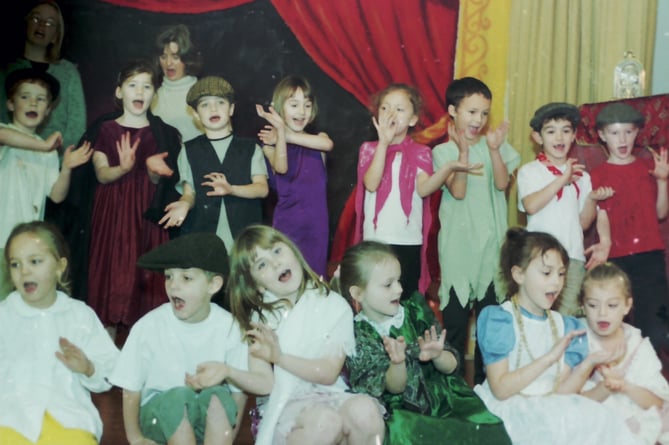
x,y
602,193
219,183
458,136
54,141
156,165
385,126
431,345
661,170
560,347
396,349
613,379
265,343
207,374
268,135
126,152
271,116
458,166
496,137
600,358
175,214
573,170
74,158
598,253
74,358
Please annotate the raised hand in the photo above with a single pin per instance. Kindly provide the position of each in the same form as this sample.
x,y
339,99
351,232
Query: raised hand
x,y
560,346
219,183
495,137
395,348
271,116
268,135
265,343
458,136
156,165
614,380
385,126
431,345
126,152
74,358
207,374
74,158
661,169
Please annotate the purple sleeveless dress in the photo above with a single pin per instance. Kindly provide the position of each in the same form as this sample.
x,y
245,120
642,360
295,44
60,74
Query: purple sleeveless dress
x,y
301,211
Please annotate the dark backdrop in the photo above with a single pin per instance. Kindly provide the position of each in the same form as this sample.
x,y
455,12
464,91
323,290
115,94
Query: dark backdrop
x,y
249,45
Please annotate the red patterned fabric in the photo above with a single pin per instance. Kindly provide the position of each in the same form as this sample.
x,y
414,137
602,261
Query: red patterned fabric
x,y
179,6
654,108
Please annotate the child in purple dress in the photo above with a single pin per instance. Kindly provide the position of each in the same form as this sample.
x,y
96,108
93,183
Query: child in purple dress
x,y
298,174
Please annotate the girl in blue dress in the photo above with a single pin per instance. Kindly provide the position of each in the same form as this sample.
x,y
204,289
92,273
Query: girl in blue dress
x,y
536,360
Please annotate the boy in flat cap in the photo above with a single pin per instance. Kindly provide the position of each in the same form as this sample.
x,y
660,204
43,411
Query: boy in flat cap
x,y
556,193
170,344
29,166
633,240
223,177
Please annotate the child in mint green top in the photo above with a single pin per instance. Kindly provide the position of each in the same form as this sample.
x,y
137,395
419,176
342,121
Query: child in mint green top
x,y
473,208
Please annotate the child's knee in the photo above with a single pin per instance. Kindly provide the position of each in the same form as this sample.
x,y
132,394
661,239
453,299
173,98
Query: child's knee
x,y
323,423
362,413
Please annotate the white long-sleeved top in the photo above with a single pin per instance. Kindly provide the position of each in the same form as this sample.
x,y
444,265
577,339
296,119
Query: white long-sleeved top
x,y
33,380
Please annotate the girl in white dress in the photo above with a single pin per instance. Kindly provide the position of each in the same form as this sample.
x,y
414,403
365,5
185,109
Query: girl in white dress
x,y
632,385
305,331
536,359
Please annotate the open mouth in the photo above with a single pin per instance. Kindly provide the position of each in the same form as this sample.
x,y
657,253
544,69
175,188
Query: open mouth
x,y
138,103
32,115
215,119
178,303
30,287
285,275
603,324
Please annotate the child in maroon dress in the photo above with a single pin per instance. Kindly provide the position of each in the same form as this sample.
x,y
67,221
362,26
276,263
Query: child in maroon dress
x,y
131,170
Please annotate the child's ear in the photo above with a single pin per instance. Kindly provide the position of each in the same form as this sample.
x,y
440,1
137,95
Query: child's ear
x,y
118,93
216,284
232,109
356,292
600,133
536,137
451,111
518,274
10,105
413,121
628,305
62,265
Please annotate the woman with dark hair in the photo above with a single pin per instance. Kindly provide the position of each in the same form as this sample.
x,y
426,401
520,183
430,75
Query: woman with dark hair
x,y
179,62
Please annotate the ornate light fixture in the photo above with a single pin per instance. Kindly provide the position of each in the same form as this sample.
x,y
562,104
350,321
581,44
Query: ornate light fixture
x,y
629,77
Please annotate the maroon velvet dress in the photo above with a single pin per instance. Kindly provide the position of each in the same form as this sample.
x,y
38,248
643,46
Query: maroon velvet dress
x,y
118,290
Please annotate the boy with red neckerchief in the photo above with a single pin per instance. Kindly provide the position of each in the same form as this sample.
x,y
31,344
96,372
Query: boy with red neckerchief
x,y
556,192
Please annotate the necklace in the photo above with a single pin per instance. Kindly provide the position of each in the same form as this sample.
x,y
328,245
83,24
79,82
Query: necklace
x,y
524,345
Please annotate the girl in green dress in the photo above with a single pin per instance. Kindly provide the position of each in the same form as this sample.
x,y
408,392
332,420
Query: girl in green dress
x,y
402,358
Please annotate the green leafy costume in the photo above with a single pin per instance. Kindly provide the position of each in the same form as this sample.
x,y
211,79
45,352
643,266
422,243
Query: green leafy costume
x,y
434,407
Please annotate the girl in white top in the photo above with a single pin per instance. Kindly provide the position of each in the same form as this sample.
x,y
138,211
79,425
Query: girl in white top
x,y
536,359
179,61
632,385
53,349
305,330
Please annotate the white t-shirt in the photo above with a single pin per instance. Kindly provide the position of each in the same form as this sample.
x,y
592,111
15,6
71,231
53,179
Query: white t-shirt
x,y
161,349
560,217
392,226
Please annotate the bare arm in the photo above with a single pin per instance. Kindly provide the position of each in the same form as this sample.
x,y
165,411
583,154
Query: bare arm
x,y
319,142
505,383
456,183
133,432
426,185
177,211
396,374
495,139
221,187
661,173
71,159
273,138
126,152
536,201
599,252
16,139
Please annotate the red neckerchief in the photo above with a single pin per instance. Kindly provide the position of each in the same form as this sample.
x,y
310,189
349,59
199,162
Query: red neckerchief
x,y
541,157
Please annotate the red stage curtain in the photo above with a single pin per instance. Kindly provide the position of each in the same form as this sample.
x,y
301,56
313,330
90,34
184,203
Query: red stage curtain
x,y
179,6
364,45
